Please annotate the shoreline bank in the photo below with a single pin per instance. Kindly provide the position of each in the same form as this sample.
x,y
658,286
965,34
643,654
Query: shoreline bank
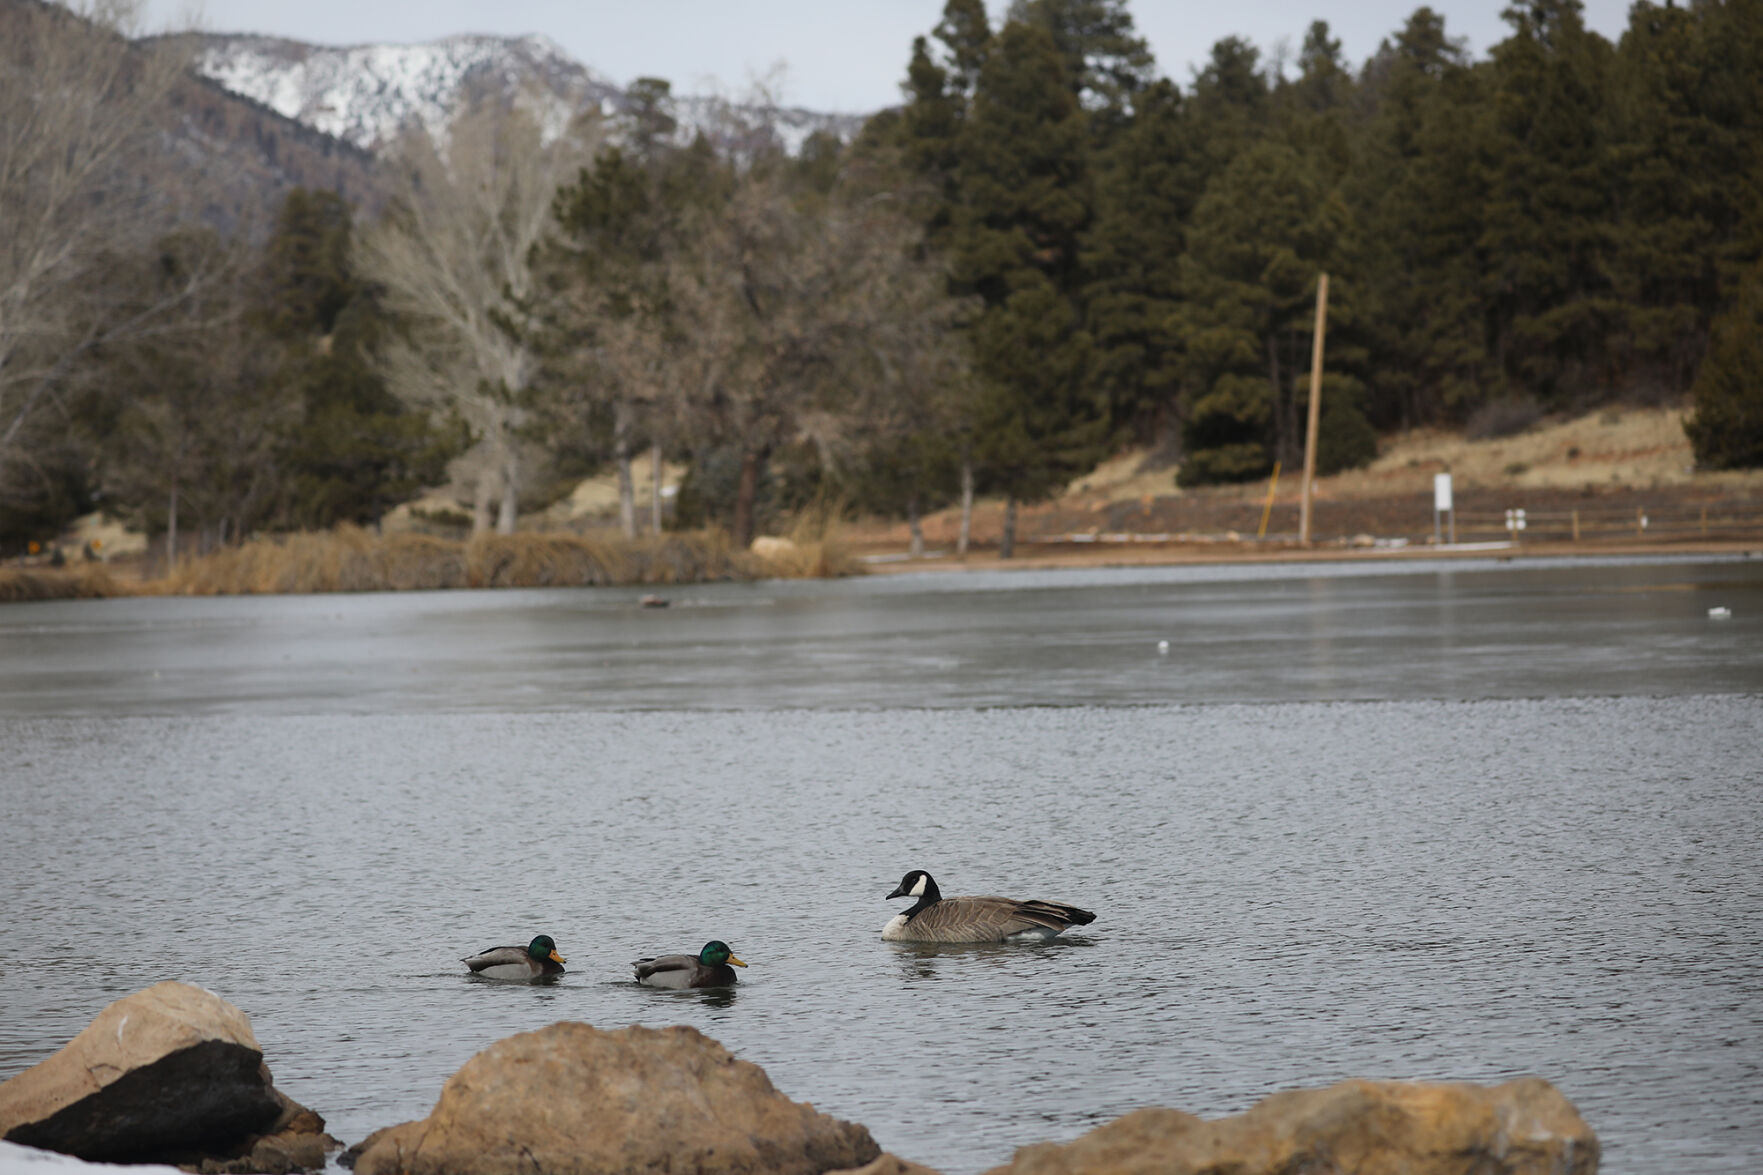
x,y
40,585
1047,556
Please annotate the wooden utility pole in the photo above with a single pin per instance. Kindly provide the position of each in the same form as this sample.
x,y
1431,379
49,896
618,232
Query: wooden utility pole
x,y
1268,509
1315,407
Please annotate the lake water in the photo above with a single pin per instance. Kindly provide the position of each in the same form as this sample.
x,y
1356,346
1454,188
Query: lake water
x,y
1408,821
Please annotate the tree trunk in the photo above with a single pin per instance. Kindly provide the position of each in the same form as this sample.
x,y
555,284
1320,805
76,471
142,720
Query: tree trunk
x,y
1007,543
915,548
621,454
966,506
482,496
509,514
171,532
1281,423
746,490
655,487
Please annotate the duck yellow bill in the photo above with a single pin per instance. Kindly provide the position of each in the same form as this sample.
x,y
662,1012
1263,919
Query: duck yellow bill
x,y
558,958
736,961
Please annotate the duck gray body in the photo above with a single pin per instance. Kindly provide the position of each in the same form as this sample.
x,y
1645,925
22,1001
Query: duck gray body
x,y
536,960
708,968
935,918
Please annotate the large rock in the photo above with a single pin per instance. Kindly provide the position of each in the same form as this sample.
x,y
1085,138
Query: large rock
x,y
890,1164
570,1099
770,547
169,1073
1355,1128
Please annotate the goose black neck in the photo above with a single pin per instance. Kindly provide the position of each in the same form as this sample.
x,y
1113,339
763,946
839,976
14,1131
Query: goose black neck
x,y
926,900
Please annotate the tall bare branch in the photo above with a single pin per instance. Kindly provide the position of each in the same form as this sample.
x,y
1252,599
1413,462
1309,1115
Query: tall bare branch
x,y
455,256
78,111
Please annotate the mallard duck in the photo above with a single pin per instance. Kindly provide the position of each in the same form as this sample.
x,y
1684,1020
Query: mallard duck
x,y
536,959
708,968
935,918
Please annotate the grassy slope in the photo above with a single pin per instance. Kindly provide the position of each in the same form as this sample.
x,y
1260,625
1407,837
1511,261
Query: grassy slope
x,y
1604,453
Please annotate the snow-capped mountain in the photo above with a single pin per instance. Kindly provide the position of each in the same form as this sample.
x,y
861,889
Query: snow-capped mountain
x,y
368,94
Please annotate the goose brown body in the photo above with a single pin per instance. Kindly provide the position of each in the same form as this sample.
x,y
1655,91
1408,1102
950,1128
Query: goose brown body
x,y
935,918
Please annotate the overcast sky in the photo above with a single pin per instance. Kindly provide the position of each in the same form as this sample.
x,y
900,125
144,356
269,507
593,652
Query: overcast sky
x,y
840,55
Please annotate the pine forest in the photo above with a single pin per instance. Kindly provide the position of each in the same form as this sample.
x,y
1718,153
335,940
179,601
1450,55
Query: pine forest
x,y
1048,250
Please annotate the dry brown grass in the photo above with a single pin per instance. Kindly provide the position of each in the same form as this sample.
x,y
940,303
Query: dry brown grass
x,y
1611,449
816,547
349,559
21,584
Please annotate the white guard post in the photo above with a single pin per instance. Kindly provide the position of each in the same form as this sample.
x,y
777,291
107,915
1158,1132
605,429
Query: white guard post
x,y
1441,504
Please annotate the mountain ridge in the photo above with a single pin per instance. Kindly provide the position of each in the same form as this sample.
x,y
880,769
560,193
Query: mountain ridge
x,y
367,94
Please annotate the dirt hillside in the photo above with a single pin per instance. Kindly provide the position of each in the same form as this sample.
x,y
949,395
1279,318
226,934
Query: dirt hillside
x,y
1614,474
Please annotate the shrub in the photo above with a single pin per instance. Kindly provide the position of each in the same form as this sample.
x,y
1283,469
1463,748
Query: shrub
x,y
1344,437
349,559
1726,426
19,585
1244,461
1505,417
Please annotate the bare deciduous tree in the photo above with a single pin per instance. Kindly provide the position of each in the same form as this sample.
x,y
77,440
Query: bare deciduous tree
x,y
455,255
812,319
614,338
78,111
200,417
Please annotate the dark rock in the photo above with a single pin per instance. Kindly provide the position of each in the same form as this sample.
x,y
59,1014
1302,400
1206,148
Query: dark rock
x,y
172,1073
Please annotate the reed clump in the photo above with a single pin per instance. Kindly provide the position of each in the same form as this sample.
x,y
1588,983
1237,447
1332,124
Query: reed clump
x,y
25,584
347,559
813,547
350,559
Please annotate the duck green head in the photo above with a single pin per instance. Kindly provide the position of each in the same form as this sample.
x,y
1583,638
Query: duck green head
x,y
542,948
716,953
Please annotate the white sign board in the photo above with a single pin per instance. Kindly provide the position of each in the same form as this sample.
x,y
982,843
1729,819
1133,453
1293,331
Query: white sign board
x,y
1441,491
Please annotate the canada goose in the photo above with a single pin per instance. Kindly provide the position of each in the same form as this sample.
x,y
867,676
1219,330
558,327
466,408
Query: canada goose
x,y
708,968
533,961
936,918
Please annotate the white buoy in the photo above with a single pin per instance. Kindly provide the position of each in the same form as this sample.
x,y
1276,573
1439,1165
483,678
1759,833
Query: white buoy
x,y
1720,613
1163,646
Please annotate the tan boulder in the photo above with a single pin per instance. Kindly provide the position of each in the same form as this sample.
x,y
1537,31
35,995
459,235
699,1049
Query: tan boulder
x,y
169,1073
889,1164
570,1099
1523,1127
771,547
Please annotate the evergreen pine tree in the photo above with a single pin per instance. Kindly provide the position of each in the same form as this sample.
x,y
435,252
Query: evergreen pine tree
x,y
1726,428
1685,133
966,34
1549,220
928,133
1314,107
1025,205
1230,105
1260,236
356,451
648,119
1415,196
1107,64
1148,183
